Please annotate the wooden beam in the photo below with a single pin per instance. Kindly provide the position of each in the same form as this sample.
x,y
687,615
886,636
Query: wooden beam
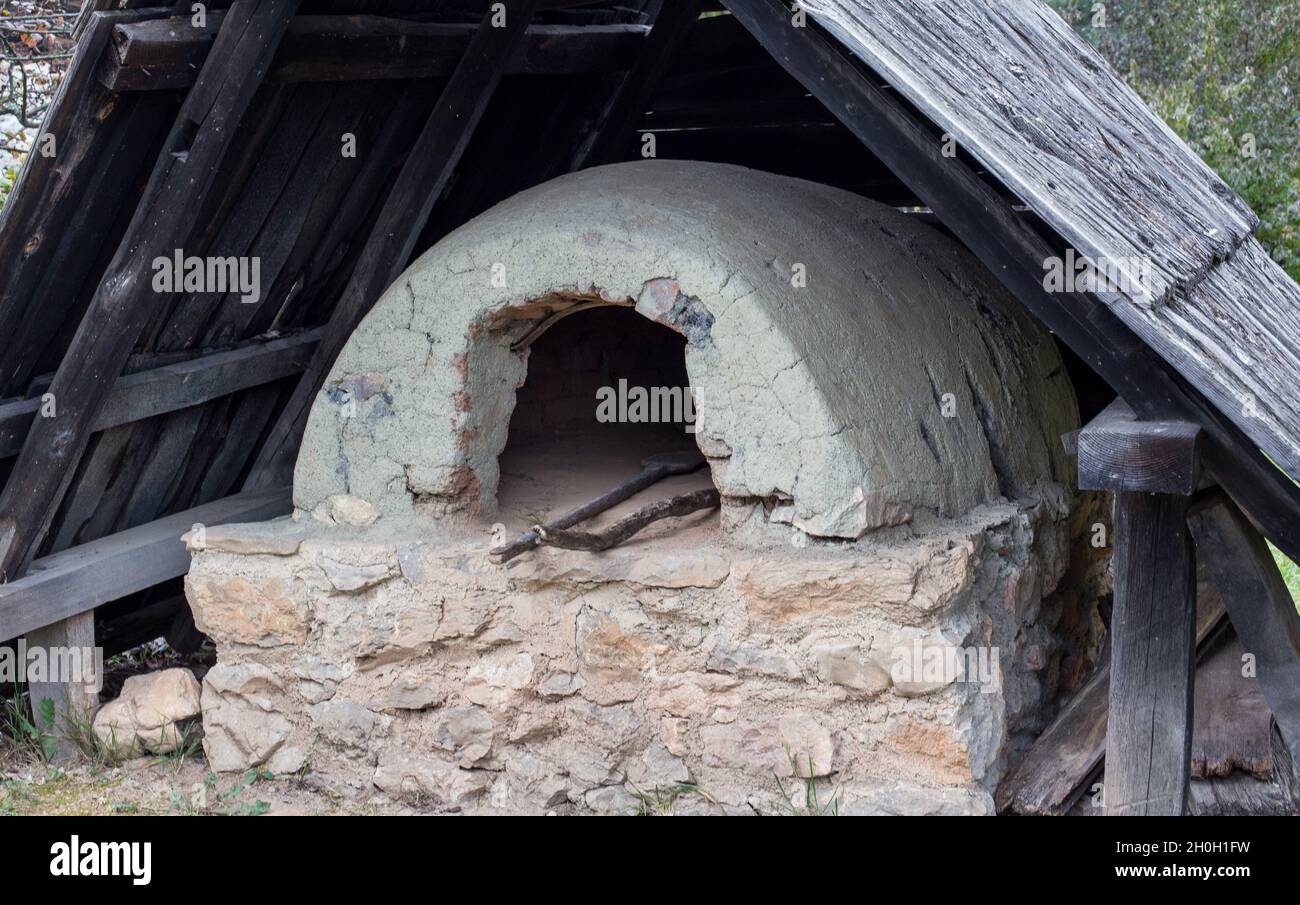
x,y
1014,252
122,304
429,166
613,131
1118,452
1152,632
78,579
165,54
1259,605
173,387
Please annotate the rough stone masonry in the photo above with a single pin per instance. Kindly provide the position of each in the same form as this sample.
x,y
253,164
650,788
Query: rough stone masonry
x,y
872,615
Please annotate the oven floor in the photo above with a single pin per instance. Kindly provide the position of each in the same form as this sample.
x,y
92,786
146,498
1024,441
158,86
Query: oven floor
x,y
548,478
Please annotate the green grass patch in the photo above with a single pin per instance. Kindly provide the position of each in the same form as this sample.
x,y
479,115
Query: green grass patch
x,y
1290,571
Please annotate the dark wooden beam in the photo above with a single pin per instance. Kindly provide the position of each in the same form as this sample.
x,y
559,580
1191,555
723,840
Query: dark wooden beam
x,y
75,581
1118,452
613,131
173,387
165,54
1259,605
429,166
1014,252
1152,632
123,303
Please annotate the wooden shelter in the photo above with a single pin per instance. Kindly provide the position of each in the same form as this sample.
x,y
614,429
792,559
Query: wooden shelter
x,y
335,140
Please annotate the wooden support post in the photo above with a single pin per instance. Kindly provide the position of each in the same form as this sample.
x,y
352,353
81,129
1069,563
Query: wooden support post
x,y
71,699
429,166
1152,628
123,303
74,581
1258,603
1152,468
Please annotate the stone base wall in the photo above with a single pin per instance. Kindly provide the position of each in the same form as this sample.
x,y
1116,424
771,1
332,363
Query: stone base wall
x,y
395,660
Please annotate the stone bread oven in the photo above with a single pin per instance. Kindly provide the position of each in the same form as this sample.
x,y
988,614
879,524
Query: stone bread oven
x,y
869,610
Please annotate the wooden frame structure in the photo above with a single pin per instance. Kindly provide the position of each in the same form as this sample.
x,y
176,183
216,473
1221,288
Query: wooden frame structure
x,y
223,136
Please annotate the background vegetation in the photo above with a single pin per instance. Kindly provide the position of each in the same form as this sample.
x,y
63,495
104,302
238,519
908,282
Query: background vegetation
x,y
1225,74
35,47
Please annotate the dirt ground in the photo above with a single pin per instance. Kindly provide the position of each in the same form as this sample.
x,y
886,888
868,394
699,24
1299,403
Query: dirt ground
x,y
181,786
177,784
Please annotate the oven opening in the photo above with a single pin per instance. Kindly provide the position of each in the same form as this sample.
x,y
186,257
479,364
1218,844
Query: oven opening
x,y
606,397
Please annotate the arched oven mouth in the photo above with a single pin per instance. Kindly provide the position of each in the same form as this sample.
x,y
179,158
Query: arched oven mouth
x,y
601,446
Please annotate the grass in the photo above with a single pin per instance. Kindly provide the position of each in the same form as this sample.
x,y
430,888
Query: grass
x,y
1290,572
811,805
663,802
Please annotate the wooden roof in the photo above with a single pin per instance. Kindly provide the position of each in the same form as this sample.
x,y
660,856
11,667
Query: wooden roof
x,y
225,139
1036,105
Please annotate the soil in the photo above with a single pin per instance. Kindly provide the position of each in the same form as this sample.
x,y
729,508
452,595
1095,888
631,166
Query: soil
x,y
162,786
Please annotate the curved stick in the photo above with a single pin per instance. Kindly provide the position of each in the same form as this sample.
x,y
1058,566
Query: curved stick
x,y
621,530
654,469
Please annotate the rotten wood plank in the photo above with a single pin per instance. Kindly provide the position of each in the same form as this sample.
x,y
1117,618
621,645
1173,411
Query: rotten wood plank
x,y
121,306
1258,602
429,166
1118,452
1153,637
81,578
1243,795
1233,726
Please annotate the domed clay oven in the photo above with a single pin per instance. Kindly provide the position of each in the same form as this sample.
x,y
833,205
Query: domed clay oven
x,y
868,608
